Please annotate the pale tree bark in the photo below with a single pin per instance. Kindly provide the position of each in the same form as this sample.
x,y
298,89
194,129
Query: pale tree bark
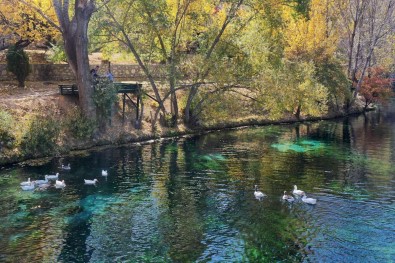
x,y
366,22
380,23
352,12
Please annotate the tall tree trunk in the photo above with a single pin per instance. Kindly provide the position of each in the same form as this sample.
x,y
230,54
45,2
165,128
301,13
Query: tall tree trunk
x,y
172,82
298,111
85,86
187,111
74,29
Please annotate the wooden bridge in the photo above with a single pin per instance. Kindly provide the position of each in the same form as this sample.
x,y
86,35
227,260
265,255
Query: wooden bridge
x,y
123,88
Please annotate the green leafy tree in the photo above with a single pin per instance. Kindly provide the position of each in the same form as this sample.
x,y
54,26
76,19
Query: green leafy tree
x,y
293,89
105,96
18,64
6,126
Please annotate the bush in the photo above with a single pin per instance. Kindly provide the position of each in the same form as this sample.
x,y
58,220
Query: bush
x,y
56,54
105,97
41,136
18,64
79,126
6,124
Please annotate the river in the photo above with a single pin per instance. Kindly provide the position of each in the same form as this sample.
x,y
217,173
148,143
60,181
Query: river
x,y
192,199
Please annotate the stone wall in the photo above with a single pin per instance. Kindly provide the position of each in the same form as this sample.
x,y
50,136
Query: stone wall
x,y
62,72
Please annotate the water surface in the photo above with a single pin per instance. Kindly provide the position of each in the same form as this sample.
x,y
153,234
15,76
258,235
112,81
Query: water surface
x,y
192,199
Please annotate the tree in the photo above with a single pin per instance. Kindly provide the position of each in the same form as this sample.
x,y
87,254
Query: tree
x,y
73,25
24,25
293,89
310,38
177,33
365,25
18,64
376,87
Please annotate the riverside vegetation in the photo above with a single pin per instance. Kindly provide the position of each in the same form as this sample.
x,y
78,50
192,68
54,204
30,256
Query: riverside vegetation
x,y
225,64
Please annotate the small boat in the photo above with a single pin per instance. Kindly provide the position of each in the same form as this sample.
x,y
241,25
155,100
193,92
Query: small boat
x,y
104,172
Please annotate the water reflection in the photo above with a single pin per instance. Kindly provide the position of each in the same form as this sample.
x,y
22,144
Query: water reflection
x,y
192,200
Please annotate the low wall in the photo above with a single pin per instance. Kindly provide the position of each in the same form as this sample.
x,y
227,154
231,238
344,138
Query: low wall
x,y
62,72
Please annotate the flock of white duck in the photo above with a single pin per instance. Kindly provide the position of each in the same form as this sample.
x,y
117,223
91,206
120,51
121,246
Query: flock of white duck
x,y
44,184
297,192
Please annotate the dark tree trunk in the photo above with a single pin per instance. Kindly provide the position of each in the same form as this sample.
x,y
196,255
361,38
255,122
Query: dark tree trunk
x,y
75,37
298,110
83,77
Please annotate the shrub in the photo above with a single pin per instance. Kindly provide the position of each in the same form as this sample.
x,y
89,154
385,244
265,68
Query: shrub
x,y
105,97
41,136
79,126
376,88
56,54
18,64
6,125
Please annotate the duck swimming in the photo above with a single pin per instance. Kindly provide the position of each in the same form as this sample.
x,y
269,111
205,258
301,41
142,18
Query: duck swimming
x,y
258,194
29,187
288,198
51,176
297,192
94,181
60,184
28,182
66,167
311,201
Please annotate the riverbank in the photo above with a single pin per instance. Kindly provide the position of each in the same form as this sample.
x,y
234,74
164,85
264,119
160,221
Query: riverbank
x,y
42,99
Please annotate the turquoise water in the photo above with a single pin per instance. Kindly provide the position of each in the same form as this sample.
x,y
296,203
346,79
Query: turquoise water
x,y
192,199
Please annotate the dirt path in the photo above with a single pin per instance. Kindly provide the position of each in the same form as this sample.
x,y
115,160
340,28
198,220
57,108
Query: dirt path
x,y
35,94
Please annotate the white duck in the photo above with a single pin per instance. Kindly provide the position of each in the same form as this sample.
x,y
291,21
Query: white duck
x,y
66,167
28,182
51,176
258,194
94,181
288,198
297,192
60,184
40,182
104,172
29,187
43,187
311,201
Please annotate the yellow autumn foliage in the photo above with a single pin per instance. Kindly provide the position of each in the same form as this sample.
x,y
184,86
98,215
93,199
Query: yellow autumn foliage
x,y
310,38
22,22
293,85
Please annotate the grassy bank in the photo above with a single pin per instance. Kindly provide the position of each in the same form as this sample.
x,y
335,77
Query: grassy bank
x,y
38,122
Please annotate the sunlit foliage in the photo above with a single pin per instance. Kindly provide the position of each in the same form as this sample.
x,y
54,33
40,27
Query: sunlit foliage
x,y
292,89
21,22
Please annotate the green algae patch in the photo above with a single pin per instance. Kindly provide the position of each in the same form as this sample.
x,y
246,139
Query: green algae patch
x,y
298,146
